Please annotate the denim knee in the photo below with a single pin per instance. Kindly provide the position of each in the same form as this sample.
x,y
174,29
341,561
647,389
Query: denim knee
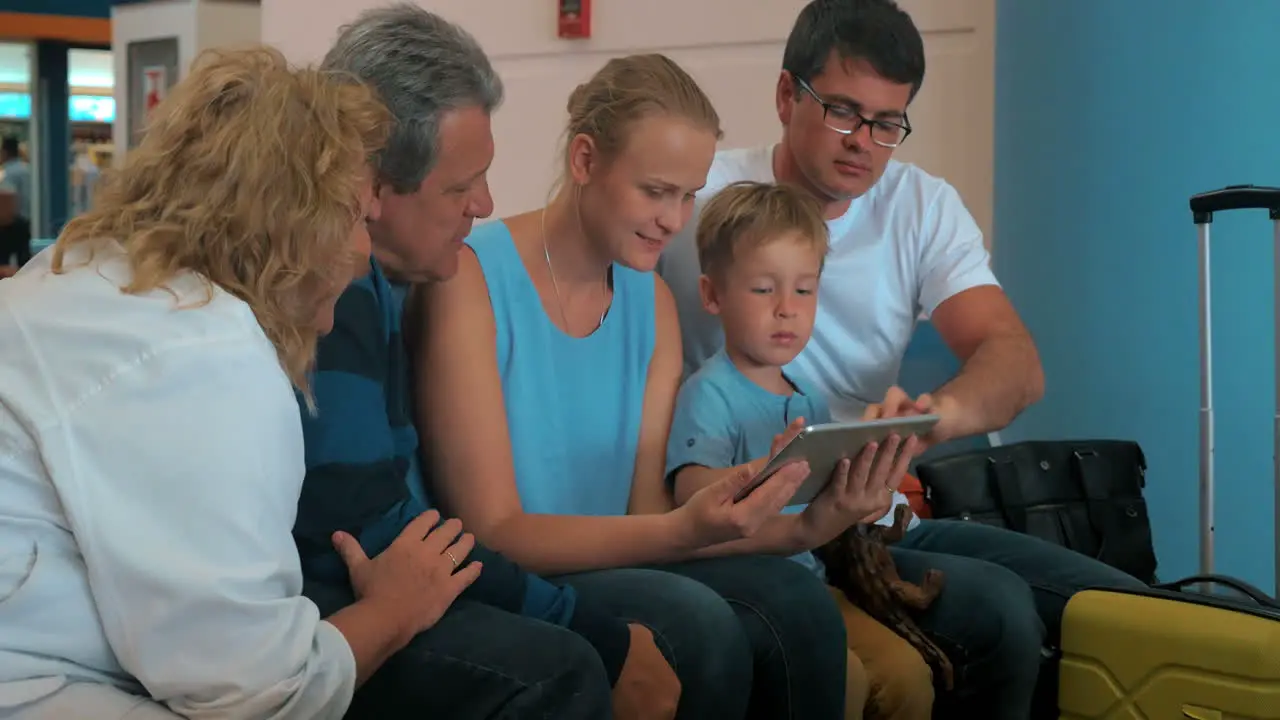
x,y
701,637
987,622
696,630
576,685
796,620
1011,626
794,628
479,661
794,608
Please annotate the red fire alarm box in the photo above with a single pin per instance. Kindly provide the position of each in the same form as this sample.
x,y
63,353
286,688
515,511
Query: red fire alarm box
x,y
575,18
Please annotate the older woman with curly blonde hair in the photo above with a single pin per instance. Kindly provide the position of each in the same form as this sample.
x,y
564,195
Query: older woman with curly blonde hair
x,y
151,453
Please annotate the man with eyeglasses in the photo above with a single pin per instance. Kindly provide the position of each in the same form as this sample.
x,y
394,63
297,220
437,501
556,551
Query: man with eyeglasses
x,y
904,245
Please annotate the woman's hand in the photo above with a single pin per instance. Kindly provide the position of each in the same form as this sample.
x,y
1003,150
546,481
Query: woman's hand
x,y
712,516
413,580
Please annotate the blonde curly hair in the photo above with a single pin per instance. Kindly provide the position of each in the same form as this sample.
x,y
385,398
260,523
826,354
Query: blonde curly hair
x,y
249,175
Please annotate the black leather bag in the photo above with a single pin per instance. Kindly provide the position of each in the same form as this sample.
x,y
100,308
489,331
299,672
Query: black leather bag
x,y
1085,495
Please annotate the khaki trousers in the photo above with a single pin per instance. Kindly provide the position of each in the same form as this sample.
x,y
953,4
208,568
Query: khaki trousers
x,y
887,678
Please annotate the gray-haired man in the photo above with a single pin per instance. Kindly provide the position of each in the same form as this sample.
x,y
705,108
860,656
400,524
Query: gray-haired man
x,y
514,645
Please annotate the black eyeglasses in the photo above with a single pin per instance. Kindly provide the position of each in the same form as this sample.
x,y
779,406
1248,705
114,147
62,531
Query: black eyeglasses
x,y
847,121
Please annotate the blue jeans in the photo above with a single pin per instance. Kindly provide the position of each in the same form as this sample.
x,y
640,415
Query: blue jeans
x,y
749,636
480,662
1003,602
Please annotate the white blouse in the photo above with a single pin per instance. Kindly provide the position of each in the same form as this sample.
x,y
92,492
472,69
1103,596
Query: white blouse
x,y
151,459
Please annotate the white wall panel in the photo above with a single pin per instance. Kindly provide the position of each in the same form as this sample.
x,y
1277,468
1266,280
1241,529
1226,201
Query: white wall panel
x,y
732,47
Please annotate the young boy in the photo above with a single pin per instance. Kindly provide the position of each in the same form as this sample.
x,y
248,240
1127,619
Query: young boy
x,y
761,248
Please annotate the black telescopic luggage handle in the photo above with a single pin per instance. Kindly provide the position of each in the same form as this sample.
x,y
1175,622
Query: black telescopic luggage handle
x,y
1203,206
1235,197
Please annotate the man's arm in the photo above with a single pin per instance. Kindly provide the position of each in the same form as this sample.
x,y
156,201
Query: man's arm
x,y
1000,375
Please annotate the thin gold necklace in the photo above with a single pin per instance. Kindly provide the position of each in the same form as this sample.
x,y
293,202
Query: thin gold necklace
x,y
546,253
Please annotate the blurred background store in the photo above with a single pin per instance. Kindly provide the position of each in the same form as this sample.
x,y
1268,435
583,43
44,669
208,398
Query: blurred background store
x,y
57,81
91,111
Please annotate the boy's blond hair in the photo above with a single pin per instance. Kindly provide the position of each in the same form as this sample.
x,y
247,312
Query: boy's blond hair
x,y
747,214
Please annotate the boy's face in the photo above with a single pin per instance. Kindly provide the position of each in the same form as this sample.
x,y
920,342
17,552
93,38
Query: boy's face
x,y
766,299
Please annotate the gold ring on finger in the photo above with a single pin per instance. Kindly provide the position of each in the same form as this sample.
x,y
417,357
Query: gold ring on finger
x,y
452,559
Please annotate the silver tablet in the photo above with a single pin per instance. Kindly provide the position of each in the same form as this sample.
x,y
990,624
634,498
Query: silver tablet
x,y
824,446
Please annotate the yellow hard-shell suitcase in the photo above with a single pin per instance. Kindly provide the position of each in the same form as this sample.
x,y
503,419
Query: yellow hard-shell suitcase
x,y
1175,651
1170,653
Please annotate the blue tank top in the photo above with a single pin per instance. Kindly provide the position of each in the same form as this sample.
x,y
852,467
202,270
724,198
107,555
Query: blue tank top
x,y
573,405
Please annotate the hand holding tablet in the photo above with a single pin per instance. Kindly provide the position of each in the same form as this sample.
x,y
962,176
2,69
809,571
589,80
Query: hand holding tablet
x,y
825,446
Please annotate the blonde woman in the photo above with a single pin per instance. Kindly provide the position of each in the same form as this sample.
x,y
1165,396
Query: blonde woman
x,y
150,448
547,372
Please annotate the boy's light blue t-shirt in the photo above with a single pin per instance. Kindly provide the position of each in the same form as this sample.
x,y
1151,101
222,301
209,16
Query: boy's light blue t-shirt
x,y
723,419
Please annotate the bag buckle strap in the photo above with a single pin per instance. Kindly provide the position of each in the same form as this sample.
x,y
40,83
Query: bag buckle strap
x,y
1002,478
1088,473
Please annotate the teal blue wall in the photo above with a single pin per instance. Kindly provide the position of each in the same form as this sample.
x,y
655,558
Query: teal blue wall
x,y
1109,116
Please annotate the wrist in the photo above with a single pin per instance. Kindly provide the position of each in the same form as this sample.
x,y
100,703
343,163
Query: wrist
x,y
804,534
682,527
397,621
951,419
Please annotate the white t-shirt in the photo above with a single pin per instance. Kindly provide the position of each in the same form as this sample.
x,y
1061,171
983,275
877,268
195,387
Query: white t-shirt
x,y
151,460
898,251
